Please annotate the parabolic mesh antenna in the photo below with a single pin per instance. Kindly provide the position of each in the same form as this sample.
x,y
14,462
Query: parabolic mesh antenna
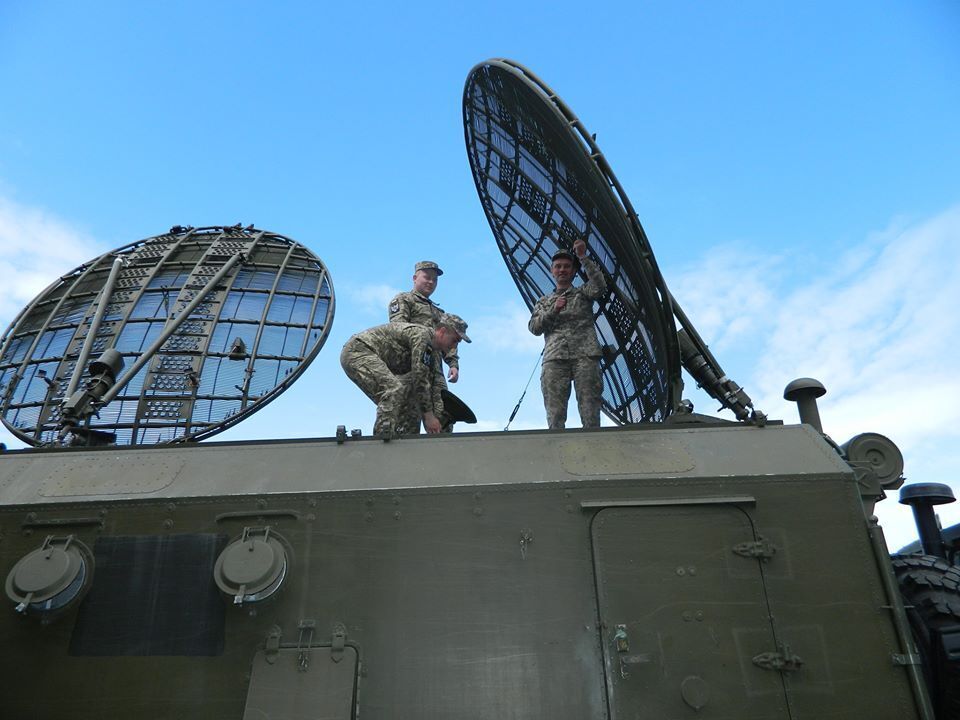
x,y
192,331
543,183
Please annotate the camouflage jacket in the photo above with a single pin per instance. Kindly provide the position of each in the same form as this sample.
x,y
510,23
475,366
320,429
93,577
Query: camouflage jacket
x,y
412,307
569,334
408,348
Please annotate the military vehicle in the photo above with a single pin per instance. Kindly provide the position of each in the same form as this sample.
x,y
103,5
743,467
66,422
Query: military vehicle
x,y
675,566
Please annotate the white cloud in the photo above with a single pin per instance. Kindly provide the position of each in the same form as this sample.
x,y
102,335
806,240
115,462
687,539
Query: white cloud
x,y
878,326
35,248
504,327
372,298
879,332
726,294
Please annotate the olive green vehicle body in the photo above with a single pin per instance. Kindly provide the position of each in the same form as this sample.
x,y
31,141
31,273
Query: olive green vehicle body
x,y
662,571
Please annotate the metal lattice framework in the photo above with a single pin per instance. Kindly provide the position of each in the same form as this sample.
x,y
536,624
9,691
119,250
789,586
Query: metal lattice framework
x,y
250,335
543,183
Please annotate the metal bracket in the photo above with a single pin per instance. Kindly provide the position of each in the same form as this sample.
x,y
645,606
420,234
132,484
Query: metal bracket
x,y
272,644
761,549
783,661
906,659
526,537
621,640
303,644
338,640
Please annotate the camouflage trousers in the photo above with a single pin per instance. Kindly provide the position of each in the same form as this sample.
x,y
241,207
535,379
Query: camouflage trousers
x,y
397,412
555,379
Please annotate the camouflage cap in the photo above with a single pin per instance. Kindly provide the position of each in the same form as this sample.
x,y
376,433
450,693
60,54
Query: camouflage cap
x,y
427,265
561,253
455,323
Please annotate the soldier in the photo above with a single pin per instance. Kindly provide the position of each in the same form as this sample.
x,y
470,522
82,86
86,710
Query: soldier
x,y
571,352
397,365
417,307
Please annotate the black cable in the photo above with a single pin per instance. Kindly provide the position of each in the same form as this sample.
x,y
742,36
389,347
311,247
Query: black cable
x,y
524,394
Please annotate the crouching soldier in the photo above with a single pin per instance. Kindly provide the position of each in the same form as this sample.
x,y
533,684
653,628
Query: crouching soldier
x,y
398,366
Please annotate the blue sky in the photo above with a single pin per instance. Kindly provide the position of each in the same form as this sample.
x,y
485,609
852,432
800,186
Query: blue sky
x,y
795,166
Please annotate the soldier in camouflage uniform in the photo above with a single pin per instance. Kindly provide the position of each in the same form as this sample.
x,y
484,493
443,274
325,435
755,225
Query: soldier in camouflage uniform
x,y
397,366
417,307
571,352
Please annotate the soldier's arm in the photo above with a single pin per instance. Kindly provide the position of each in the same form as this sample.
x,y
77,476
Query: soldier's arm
x,y
434,411
452,359
435,387
596,286
399,309
542,319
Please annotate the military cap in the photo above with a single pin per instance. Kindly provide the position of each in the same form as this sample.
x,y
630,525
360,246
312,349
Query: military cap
x,y
455,323
427,265
566,254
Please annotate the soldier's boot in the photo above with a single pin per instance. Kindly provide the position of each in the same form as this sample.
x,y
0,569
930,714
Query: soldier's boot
x,y
384,427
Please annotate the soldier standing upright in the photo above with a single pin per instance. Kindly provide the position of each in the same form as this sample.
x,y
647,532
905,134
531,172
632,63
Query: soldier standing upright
x,y
571,352
416,307
397,366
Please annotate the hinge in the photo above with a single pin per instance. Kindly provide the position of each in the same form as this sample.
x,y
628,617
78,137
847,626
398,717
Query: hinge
x,y
272,644
783,661
761,549
303,644
337,641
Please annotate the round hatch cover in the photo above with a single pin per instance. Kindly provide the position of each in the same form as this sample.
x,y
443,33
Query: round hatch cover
x,y
251,568
49,577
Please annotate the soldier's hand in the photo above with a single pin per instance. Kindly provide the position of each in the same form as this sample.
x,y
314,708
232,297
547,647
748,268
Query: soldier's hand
x,y
580,248
560,304
453,375
430,423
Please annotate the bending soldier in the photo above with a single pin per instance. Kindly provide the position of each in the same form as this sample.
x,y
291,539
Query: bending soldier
x,y
397,365
571,352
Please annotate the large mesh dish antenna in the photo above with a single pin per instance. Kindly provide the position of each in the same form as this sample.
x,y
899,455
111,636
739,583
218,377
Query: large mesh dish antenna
x,y
192,331
543,183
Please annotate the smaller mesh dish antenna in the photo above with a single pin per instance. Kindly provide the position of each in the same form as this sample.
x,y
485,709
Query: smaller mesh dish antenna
x,y
176,337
